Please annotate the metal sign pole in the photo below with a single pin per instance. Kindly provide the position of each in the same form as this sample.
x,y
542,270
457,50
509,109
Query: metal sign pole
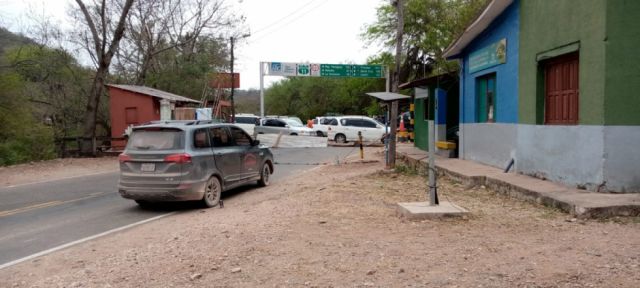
x,y
386,121
433,192
262,89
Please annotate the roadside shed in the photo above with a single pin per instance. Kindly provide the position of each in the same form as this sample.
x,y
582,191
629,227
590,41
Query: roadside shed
x,y
435,98
132,105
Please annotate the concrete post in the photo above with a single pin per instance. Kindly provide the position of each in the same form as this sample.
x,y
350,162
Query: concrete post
x,y
165,110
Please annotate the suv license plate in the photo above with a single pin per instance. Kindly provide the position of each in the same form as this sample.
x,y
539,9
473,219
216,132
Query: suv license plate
x,y
148,167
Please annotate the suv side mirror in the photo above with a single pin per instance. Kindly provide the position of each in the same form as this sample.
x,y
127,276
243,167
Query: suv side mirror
x,y
255,142
286,126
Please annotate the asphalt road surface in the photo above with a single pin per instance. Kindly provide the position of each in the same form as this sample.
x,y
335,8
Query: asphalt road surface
x,y
41,216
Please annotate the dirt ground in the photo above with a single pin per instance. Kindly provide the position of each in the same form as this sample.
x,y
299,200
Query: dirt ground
x,y
335,226
55,169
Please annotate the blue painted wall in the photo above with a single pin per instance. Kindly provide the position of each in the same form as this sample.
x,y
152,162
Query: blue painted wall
x,y
507,25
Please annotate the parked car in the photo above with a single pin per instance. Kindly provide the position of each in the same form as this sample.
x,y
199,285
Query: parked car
x,y
346,129
295,128
321,125
247,122
284,125
194,160
294,118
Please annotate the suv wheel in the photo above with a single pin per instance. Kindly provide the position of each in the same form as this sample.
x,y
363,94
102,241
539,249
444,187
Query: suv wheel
x,y
143,203
340,138
264,175
212,192
319,134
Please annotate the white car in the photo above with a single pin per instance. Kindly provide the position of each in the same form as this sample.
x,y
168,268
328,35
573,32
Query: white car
x,y
247,122
347,128
296,128
321,125
283,125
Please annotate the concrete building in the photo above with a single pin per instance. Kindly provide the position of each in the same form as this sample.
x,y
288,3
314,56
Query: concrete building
x,y
435,98
555,86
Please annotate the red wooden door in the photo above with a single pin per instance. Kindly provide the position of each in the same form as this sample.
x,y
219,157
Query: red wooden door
x,y
561,90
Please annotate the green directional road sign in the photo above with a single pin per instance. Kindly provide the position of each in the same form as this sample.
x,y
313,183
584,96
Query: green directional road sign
x,y
368,71
342,70
335,70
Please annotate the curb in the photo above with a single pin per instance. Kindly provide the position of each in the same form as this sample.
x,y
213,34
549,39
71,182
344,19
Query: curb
x,y
557,199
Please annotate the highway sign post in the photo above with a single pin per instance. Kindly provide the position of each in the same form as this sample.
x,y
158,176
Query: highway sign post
x,y
316,70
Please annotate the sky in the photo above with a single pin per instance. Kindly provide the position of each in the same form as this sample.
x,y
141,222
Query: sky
x,y
316,31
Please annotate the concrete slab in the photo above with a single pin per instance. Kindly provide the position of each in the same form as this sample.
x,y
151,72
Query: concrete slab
x,y
580,203
422,210
288,141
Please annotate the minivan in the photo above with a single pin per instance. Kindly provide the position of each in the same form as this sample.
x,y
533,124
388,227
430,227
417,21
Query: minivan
x,y
343,129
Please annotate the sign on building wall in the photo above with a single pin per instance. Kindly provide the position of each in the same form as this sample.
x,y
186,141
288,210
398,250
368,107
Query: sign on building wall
x,y
325,70
489,56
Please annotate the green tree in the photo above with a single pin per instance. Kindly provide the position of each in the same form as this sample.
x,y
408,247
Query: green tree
x,y
56,86
22,137
429,27
308,97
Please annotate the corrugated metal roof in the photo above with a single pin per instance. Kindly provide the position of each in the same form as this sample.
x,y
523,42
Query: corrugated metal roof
x,y
154,92
388,96
493,10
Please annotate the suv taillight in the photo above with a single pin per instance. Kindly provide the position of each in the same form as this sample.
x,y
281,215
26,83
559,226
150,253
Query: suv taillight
x,y
178,158
124,158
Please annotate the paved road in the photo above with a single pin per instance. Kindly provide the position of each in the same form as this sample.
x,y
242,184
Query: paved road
x,y
41,216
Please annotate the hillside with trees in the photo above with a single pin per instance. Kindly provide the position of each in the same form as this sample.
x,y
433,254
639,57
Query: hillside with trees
x,y
52,82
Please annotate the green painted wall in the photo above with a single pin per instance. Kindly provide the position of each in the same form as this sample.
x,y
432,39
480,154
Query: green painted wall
x,y
622,86
545,26
421,128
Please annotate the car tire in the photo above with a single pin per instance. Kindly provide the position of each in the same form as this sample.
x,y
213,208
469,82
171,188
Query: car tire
x,y
340,138
319,134
294,134
143,203
212,192
265,174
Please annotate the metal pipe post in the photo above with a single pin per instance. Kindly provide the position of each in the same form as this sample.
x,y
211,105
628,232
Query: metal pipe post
x,y
433,189
262,89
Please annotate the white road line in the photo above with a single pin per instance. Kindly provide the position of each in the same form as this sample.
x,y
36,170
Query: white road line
x,y
56,179
63,246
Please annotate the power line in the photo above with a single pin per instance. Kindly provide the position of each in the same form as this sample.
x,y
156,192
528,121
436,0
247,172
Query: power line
x,y
292,20
283,18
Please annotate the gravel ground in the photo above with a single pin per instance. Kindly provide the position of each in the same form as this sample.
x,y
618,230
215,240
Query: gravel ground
x,y
55,169
335,226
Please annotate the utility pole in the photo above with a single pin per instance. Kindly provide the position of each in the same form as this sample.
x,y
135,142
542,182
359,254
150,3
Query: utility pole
x,y
233,104
233,78
396,82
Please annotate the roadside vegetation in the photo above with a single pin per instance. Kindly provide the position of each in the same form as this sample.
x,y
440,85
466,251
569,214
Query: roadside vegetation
x,y
430,25
52,78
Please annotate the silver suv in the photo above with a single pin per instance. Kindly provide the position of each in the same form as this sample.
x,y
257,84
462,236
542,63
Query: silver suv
x,y
190,160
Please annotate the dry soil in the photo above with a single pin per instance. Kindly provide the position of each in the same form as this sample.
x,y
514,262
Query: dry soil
x,y
336,226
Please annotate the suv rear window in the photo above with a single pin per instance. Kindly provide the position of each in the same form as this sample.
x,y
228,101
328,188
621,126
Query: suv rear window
x,y
246,120
152,139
